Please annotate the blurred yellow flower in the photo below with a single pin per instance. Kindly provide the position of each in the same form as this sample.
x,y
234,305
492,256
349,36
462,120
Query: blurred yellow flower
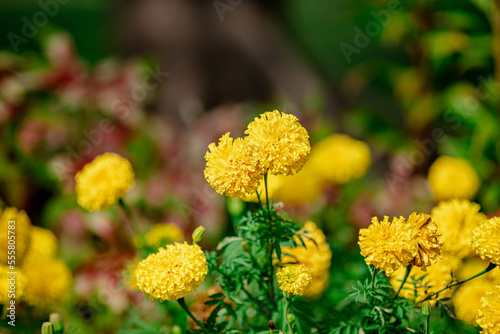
x,y
21,229
388,245
173,272
11,286
455,220
294,279
316,256
488,315
160,235
303,187
274,183
129,278
421,284
43,244
103,181
451,178
232,168
467,300
426,237
48,283
280,142
340,159
486,240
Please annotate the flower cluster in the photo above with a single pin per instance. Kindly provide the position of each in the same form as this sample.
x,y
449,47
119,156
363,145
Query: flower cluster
x,y
391,245
486,240
276,144
489,313
103,181
294,279
173,272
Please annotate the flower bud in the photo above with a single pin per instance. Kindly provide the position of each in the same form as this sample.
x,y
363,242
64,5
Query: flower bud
x,y
198,234
176,330
47,328
426,309
56,320
272,326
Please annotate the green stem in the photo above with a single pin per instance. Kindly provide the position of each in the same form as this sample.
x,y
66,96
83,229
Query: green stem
x,y
407,273
427,323
130,215
182,303
490,267
270,247
287,303
256,302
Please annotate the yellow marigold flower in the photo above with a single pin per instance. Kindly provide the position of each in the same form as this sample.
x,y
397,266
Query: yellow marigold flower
x,y
486,240
48,283
274,184
340,159
455,220
316,256
43,244
388,245
160,235
21,228
451,178
294,279
172,273
429,247
421,284
280,143
488,315
11,285
232,168
103,181
467,300
303,187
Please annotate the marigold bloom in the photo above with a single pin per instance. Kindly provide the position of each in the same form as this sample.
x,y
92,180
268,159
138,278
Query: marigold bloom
x,y
103,181
19,283
426,232
43,244
455,220
421,284
160,235
303,187
340,159
467,300
388,245
488,315
316,256
48,283
173,272
21,228
486,240
280,142
294,279
451,178
232,168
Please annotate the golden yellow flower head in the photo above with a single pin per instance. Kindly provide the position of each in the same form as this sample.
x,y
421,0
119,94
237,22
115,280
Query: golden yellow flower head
x,y
48,283
294,279
11,285
421,284
232,168
467,300
486,240
451,178
455,220
21,229
172,273
488,315
388,245
340,159
316,256
303,187
43,244
426,232
160,235
280,142
103,181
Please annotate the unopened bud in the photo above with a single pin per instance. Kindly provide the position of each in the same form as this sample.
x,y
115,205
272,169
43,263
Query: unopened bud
x,y
47,328
56,320
198,234
426,309
272,325
176,330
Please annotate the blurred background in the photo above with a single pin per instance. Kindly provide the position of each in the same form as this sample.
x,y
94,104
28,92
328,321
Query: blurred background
x,y
159,80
